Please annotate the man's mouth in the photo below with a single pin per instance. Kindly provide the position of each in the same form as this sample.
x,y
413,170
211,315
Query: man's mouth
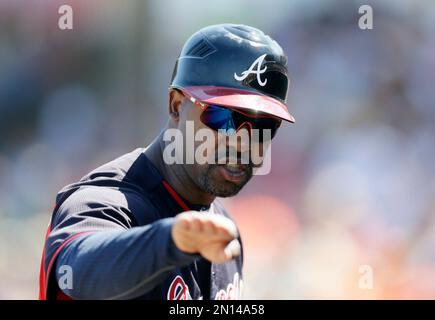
x,y
234,172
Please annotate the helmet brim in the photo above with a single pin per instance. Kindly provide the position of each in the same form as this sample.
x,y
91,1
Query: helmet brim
x,y
240,99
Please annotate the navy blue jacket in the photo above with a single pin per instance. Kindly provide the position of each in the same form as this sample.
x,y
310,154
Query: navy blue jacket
x,y
112,231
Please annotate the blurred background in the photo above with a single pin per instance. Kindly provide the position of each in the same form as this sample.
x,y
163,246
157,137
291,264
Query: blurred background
x,y
352,186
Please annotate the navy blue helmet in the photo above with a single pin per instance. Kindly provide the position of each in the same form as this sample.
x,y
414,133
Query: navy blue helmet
x,y
235,66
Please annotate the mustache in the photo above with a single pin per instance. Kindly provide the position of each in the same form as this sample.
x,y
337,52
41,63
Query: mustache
x,y
233,156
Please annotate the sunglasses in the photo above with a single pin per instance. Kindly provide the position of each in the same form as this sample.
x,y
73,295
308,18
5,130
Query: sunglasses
x,y
230,120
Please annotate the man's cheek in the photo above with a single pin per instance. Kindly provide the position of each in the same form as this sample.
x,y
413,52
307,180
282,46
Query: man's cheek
x,y
261,157
205,147
258,152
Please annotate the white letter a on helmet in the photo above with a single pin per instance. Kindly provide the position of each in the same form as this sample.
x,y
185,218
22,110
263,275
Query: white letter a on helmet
x,y
256,64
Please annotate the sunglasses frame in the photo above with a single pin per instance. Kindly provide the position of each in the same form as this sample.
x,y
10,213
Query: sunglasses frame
x,y
203,106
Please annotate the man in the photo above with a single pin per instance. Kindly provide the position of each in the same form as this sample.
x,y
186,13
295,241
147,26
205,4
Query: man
x,y
142,227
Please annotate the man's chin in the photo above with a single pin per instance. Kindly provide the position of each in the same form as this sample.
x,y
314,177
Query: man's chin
x,y
226,192
220,187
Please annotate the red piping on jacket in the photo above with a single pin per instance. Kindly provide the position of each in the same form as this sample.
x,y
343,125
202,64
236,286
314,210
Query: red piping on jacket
x,y
175,195
45,276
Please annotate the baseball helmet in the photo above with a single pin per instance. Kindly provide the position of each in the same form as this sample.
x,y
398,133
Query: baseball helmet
x,y
235,66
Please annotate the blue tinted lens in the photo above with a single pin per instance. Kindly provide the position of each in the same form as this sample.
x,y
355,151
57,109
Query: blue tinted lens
x,y
221,118
217,117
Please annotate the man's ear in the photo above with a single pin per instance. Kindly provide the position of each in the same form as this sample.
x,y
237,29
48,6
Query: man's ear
x,y
175,104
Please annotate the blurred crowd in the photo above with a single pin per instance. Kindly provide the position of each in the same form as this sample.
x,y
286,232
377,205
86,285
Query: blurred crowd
x,y
352,186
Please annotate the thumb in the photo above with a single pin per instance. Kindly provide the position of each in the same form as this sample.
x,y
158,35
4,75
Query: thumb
x,y
232,250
